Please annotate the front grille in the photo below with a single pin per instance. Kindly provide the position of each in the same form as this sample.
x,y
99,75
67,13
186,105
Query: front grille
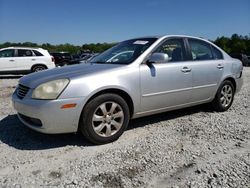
x,y
22,91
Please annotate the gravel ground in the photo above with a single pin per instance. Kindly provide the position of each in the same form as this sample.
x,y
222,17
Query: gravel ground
x,y
193,147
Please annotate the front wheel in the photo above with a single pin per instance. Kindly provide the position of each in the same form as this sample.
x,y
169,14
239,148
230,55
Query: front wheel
x,y
224,96
104,118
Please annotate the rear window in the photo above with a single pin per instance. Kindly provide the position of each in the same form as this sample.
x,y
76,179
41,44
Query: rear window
x,y
24,53
37,53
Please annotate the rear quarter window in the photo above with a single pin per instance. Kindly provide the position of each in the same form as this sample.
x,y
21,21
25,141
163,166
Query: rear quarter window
x,y
37,53
216,53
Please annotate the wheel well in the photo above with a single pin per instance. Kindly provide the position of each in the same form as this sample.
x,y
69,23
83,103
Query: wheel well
x,y
38,65
119,92
233,82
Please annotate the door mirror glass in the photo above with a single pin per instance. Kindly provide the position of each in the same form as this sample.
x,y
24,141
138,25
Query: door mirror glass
x,y
158,58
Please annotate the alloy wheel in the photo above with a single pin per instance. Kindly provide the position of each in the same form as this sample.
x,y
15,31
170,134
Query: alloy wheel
x,y
108,119
226,95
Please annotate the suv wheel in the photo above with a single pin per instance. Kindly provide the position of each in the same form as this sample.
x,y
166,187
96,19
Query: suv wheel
x,y
224,96
38,68
104,119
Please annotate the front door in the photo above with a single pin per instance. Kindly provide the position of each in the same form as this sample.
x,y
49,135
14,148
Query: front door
x,y
7,60
168,84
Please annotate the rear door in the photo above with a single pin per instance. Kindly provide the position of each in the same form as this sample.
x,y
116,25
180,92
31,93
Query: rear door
x,y
25,59
207,68
7,60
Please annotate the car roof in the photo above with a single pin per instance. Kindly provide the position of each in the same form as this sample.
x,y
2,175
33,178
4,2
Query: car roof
x,y
25,48
169,36
162,37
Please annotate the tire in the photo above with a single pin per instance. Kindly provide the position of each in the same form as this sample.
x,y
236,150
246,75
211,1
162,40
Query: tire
x,y
224,96
104,119
38,68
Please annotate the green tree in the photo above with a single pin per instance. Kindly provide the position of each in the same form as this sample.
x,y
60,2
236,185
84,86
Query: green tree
x,y
235,44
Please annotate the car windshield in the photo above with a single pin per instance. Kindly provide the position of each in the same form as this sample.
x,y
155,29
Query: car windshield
x,y
125,52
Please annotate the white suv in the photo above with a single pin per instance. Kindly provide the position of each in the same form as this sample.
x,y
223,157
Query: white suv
x,y
21,60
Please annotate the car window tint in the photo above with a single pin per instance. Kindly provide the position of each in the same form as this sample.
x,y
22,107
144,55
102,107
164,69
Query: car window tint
x,y
37,53
174,48
7,53
200,50
217,53
24,53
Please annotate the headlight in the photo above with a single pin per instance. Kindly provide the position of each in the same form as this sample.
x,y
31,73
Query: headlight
x,y
50,90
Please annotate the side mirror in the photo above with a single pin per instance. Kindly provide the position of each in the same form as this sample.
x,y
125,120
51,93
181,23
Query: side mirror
x,y
158,58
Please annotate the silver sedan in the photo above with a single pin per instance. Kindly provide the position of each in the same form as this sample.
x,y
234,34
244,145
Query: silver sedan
x,y
135,78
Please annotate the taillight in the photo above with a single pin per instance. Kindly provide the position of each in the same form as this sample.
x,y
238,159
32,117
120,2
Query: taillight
x,y
53,59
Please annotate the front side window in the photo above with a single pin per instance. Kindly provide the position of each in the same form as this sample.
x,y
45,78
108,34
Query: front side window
x,y
7,53
200,50
125,52
174,48
24,53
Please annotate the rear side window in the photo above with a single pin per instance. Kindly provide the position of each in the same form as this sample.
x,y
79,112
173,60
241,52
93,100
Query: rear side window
x,y
24,53
200,50
7,53
174,48
37,53
216,53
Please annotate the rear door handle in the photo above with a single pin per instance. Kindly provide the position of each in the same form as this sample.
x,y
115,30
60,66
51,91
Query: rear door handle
x,y
186,69
11,60
219,66
33,59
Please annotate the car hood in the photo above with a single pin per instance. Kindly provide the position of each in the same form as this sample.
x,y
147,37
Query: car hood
x,y
73,71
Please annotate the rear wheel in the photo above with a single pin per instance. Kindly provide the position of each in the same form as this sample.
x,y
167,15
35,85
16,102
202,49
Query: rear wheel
x,y
104,118
224,96
38,68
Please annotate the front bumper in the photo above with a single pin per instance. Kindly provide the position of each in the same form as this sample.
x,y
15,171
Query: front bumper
x,y
52,118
